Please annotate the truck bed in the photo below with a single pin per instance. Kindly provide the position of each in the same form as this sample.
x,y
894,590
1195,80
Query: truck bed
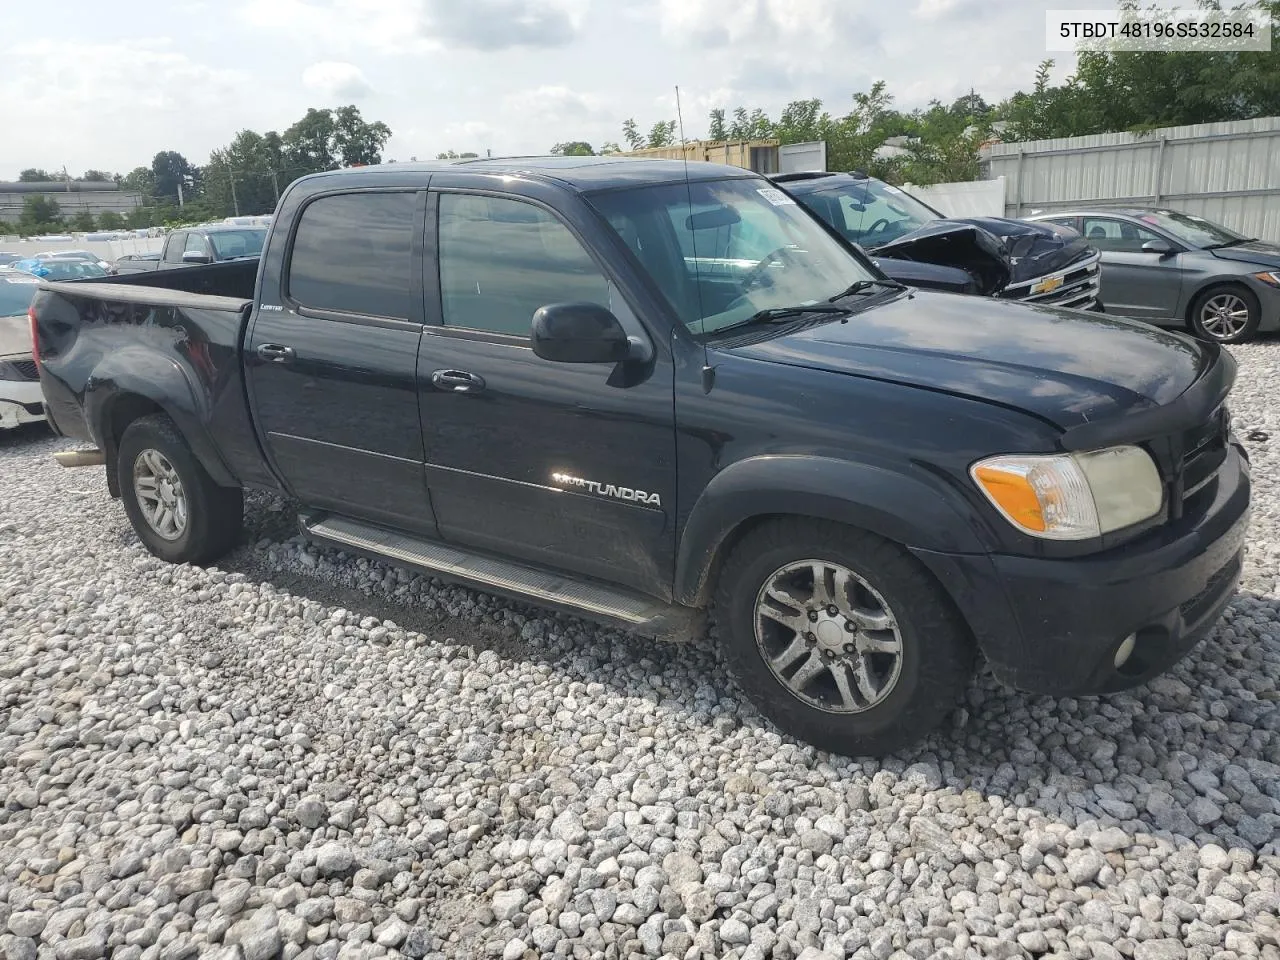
x,y
166,340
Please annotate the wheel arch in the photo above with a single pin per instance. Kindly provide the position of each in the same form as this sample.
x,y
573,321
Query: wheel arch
x,y
1220,282
907,508
116,398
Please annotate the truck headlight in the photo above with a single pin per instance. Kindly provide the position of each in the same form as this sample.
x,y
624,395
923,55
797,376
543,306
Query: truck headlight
x,y
1072,496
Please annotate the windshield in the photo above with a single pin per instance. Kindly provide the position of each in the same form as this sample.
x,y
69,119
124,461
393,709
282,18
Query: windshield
x,y
16,296
723,250
1191,230
868,212
68,270
228,244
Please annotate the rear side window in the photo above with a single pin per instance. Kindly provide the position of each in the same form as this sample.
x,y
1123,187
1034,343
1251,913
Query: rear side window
x,y
500,260
353,253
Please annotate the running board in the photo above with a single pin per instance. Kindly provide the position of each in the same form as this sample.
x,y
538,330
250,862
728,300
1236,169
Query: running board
x,y
601,602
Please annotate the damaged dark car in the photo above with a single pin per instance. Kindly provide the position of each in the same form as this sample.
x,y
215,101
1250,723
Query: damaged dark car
x,y
919,246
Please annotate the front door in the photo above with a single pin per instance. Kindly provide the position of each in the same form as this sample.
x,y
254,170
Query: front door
x,y
567,465
331,358
1135,282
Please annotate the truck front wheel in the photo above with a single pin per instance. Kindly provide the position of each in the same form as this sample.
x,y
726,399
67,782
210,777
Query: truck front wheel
x,y
176,509
841,638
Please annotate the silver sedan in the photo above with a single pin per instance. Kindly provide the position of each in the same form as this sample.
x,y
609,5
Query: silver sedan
x,y
1175,269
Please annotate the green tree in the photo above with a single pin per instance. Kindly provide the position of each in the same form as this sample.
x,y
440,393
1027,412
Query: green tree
x,y
662,133
635,139
609,146
139,180
83,222
35,175
454,155
356,142
717,129
171,171
40,214
110,220
573,148
7,229
93,176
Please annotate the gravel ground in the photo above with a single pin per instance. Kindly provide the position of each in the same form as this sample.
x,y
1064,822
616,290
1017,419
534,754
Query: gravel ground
x,y
300,754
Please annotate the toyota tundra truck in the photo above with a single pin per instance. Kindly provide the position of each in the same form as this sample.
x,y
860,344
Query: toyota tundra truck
x,y
670,399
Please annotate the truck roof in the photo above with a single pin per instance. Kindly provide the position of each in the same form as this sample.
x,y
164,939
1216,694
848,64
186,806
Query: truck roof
x,y
581,173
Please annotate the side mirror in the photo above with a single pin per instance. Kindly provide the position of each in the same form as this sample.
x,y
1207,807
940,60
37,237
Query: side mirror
x,y
193,256
579,333
1157,246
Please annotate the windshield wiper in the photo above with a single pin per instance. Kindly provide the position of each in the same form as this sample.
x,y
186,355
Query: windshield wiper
x,y
1229,243
859,285
774,314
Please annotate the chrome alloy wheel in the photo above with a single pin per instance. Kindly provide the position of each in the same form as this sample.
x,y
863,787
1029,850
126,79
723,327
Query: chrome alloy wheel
x,y
161,497
1224,315
828,636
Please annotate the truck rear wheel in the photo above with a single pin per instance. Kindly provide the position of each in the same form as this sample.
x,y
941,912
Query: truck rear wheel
x,y
176,509
839,637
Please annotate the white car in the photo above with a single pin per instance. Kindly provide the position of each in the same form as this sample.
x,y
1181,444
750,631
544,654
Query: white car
x,y
20,398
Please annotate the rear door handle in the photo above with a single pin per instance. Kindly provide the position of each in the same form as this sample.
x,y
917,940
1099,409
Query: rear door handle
x,y
457,381
275,353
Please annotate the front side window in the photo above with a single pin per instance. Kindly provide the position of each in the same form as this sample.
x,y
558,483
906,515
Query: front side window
x,y
502,259
353,253
196,244
722,250
1118,236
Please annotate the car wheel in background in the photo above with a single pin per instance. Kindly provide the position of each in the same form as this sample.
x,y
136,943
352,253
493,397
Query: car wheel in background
x,y
1228,314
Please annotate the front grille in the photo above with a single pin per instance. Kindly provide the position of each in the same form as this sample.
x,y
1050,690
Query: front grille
x,y
19,370
27,368
1204,451
1077,286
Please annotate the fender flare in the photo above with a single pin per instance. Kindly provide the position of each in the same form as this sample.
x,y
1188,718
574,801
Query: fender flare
x,y
913,509
135,371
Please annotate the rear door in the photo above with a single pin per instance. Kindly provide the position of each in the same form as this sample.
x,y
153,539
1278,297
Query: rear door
x,y
174,245
1135,283
567,465
331,357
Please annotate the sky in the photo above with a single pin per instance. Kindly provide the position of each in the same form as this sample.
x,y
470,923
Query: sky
x,y
111,84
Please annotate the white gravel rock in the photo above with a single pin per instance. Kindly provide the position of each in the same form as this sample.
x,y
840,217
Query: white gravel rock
x,y
304,755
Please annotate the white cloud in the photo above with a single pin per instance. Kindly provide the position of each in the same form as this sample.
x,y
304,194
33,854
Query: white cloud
x,y
337,79
116,104
555,104
719,23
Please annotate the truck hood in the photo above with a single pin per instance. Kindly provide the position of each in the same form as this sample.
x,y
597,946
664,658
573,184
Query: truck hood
x,y
1261,252
952,244
1064,366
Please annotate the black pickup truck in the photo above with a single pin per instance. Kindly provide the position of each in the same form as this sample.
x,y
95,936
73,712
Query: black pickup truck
x,y
637,392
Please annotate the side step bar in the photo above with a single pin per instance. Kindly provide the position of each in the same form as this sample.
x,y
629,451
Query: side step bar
x,y
587,598
80,458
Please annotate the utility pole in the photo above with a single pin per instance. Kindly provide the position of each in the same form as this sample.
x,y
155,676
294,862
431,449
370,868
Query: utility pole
x,y
275,185
180,203
235,201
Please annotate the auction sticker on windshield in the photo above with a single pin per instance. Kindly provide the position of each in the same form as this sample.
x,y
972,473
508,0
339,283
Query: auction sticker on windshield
x,y
775,196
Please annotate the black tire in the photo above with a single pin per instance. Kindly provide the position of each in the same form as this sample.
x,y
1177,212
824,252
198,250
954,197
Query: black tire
x,y
1200,311
214,514
936,660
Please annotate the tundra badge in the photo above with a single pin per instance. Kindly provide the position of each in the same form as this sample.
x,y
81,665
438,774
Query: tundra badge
x,y
608,489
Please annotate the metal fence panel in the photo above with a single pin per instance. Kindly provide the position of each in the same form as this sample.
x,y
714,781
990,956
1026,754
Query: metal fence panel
x,y
1227,172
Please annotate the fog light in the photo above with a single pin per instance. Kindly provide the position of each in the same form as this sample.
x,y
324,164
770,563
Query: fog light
x,y
1125,650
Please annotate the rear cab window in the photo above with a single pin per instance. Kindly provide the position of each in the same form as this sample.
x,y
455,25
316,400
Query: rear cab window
x,y
353,253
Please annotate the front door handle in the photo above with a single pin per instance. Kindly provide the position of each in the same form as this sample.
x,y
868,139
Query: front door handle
x,y
457,381
275,353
